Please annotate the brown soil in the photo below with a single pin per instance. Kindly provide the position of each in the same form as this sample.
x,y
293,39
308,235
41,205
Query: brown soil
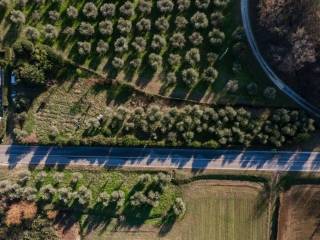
x,y
70,233
300,213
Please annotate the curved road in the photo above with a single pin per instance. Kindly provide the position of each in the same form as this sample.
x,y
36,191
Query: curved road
x,y
267,69
159,158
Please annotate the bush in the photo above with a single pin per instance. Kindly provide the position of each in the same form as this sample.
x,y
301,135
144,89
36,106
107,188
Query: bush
x,y
162,24
193,56
178,40
183,5
86,29
216,37
270,93
64,195
4,4
221,3
158,42
196,39
124,26
179,207
68,31
53,16
210,74
20,211
127,9
144,25
84,48
72,12
165,6
252,88
121,45
139,44
108,10
32,33
50,32
90,10
102,47
104,199
83,196
232,86
145,6
106,27
202,4
181,22
75,178
31,74
155,61
171,78
190,76
216,19
17,17
47,192
200,20
117,63
174,59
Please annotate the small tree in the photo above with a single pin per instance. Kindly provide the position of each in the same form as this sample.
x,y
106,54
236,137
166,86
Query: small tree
x,y
190,76
179,207
127,9
108,10
17,17
72,12
90,10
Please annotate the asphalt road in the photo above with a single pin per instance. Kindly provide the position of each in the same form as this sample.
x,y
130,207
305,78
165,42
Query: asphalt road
x,y
196,159
267,69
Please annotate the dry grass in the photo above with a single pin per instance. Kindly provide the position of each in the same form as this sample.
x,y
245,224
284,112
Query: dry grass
x,y
222,210
18,212
299,213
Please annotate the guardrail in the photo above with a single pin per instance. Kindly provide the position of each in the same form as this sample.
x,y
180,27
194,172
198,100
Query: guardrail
x,y
267,69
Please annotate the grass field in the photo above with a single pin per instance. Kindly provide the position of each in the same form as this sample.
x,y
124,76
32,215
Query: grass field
x,y
299,213
222,210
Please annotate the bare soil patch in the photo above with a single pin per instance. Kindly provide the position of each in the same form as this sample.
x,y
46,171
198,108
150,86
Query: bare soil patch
x,y
300,213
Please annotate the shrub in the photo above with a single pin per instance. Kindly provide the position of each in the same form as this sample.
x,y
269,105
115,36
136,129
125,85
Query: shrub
x,y
124,26
155,61
174,59
221,3
162,24
86,29
102,47
108,10
23,177
20,211
29,194
117,197
196,39
200,20
183,5
144,25
83,196
171,78
212,58
31,74
135,63
193,56
145,178
190,76
64,195
47,192
138,199
202,4
216,37
72,12
104,199
32,33
84,48
181,22
58,177
232,86
117,63
53,15
17,17
106,27
179,207
177,40
139,44
270,93
75,178
50,32
252,88
36,16
90,10
121,45
210,74
40,177
216,18
68,31
158,42
165,6
127,9
145,6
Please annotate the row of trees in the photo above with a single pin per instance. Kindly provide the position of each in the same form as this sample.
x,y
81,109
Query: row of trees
x,y
224,126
